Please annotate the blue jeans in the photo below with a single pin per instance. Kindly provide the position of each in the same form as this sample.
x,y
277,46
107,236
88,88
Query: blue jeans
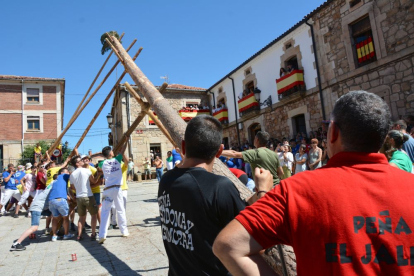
x,y
35,217
59,207
159,174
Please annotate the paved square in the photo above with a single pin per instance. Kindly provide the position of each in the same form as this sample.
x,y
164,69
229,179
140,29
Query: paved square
x,y
142,253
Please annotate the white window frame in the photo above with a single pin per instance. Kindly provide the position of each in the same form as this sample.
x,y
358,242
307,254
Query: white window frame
x,y
38,118
33,86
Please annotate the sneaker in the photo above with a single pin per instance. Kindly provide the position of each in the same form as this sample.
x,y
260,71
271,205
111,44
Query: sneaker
x,y
125,235
15,216
47,231
110,227
87,226
101,240
72,227
68,236
93,237
5,213
17,247
54,238
115,226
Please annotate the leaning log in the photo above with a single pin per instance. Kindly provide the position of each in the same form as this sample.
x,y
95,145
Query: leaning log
x,y
176,126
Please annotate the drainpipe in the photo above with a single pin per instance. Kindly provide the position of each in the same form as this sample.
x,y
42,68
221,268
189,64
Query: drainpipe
x,y
235,111
129,124
22,118
317,70
214,99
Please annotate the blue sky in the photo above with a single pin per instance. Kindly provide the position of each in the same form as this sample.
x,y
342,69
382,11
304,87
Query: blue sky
x,y
193,42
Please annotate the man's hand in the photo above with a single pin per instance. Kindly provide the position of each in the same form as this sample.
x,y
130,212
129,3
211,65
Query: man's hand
x,y
263,179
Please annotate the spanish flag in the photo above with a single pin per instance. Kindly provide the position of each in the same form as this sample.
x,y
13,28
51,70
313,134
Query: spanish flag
x,y
247,102
365,50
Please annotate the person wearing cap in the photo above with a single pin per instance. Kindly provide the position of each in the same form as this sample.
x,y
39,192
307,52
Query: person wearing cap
x,y
28,167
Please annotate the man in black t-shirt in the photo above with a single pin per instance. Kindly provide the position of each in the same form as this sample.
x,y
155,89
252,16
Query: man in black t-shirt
x,y
196,204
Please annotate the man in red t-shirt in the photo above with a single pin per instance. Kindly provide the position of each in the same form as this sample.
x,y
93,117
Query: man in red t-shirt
x,y
352,217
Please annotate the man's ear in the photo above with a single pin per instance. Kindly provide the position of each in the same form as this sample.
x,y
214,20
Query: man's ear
x,y
334,132
183,147
218,154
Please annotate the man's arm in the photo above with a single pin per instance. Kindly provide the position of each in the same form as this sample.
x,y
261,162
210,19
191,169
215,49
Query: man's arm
x,y
93,181
66,162
122,151
232,154
239,252
8,178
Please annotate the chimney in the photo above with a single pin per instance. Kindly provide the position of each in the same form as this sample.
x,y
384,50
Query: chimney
x,y
89,152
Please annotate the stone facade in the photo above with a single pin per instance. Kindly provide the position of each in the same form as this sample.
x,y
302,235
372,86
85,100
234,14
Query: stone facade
x,y
390,75
148,136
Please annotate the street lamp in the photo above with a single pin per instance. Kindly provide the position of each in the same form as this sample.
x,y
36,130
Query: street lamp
x,y
267,102
109,118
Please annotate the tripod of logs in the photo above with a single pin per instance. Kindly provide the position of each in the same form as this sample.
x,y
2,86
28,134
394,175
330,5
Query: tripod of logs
x,y
281,258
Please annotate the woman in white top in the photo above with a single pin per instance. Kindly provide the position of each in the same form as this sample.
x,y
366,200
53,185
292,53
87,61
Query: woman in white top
x,y
286,161
300,159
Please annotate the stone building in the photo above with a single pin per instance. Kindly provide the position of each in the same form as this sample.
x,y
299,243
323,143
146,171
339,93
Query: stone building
x,y
360,44
33,109
147,136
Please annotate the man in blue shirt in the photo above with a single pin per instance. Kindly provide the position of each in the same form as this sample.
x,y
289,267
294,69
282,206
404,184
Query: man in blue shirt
x,y
408,146
10,186
58,203
18,175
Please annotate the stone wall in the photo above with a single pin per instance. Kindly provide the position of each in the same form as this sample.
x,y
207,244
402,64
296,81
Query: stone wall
x,y
146,134
391,76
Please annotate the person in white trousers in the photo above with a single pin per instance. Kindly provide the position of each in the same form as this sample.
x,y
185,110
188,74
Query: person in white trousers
x,y
112,194
124,189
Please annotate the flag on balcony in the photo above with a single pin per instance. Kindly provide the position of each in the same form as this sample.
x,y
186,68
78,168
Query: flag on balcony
x,y
222,115
247,102
189,114
365,50
294,78
151,122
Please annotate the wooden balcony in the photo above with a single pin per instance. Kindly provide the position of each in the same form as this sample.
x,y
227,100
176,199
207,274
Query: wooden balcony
x,y
222,115
290,84
248,104
187,115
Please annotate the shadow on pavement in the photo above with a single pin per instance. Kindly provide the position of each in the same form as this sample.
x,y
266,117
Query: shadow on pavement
x,y
150,222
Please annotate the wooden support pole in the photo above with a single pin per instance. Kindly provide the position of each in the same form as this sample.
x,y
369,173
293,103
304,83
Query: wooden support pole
x,y
150,113
131,129
76,115
103,105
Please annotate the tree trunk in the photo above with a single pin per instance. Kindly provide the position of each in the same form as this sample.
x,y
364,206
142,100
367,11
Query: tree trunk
x,y
176,126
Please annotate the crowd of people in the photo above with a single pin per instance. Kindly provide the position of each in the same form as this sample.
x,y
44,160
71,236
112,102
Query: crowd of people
x,y
58,191
343,202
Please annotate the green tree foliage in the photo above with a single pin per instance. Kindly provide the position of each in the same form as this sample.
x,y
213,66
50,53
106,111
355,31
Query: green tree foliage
x,y
105,46
28,152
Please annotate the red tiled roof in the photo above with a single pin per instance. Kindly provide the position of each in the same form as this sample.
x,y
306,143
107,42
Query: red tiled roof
x,y
12,77
183,87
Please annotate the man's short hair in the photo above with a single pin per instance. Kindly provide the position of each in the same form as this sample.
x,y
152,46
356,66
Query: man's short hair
x,y
10,165
62,170
105,151
363,120
402,124
203,137
262,138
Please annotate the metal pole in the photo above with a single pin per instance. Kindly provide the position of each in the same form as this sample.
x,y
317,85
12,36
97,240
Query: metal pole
x,y
235,111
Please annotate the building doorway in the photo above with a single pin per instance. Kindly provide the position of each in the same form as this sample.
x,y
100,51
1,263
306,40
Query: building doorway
x,y
253,130
299,124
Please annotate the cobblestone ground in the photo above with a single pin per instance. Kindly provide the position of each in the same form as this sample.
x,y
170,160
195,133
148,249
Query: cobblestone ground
x,y
142,253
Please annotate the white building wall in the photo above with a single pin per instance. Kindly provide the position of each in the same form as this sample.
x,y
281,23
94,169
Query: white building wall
x,y
266,68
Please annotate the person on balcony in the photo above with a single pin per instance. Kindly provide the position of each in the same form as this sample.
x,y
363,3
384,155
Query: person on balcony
x,y
282,72
291,68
